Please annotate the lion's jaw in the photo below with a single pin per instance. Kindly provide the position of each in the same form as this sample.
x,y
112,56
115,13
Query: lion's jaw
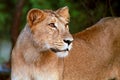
x,y
63,51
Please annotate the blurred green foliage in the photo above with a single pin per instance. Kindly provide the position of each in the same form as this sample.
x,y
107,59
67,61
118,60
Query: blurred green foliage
x,y
83,12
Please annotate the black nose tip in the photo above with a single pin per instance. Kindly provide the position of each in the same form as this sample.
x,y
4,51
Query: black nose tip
x,y
67,41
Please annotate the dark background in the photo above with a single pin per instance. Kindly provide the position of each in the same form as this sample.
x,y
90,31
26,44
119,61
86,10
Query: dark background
x,y
84,13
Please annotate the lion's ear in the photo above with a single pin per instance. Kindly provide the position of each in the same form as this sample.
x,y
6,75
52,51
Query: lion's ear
x,y
64,12
34,16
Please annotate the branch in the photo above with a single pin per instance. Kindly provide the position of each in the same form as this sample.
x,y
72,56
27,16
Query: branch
x,y
16,21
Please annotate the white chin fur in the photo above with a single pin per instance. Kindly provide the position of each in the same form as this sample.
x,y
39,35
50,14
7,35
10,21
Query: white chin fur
x,y
62,54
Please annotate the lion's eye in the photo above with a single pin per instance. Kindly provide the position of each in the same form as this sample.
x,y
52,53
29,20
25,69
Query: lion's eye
x,y
52,25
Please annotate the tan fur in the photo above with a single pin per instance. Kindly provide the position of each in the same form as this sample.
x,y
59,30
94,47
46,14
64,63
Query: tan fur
x,y
95,54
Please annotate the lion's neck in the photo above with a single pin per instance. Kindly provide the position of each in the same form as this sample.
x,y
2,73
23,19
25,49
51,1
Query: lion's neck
x,y
30,53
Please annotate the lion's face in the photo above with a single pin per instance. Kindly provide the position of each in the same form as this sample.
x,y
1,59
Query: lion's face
x,y
50,30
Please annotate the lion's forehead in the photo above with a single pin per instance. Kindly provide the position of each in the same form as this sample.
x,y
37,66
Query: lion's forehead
x,y
55,17
61,19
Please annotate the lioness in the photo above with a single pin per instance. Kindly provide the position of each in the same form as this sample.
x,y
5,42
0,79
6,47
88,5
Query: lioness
x,y
44,39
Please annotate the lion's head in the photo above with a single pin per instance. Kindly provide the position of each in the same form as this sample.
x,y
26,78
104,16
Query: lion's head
x,y
50,30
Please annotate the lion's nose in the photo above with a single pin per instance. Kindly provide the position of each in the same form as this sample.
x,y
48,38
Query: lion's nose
x,y
68,41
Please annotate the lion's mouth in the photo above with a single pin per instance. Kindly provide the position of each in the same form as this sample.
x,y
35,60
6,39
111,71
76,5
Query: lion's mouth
x,y
57,50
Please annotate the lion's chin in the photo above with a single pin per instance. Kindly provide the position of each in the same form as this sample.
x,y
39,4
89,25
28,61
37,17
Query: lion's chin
x,y
62,54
